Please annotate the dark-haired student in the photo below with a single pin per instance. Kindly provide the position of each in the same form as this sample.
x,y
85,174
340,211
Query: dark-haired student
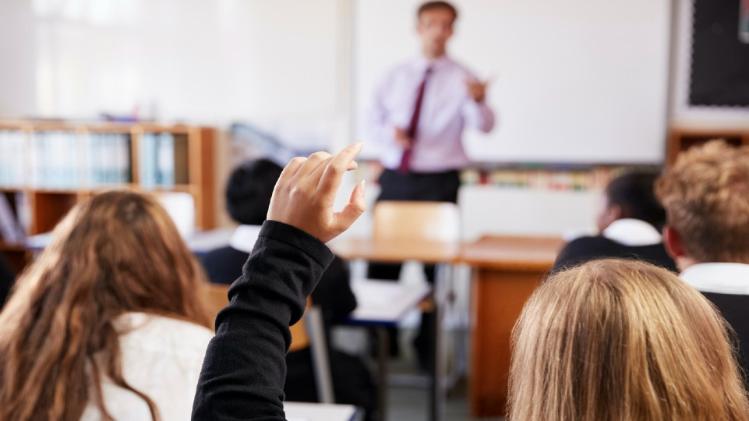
x,y
706,196
244,369
629,225
248,195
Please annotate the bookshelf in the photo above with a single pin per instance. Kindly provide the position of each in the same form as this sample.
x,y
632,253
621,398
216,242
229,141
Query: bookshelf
x,y
48,167
681,139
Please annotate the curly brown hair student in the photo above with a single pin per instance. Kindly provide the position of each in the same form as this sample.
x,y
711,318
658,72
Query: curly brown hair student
x,y
622,340
706,196
107,323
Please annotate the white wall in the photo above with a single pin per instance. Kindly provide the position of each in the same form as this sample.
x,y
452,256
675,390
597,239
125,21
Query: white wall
x,y
284,63
196,60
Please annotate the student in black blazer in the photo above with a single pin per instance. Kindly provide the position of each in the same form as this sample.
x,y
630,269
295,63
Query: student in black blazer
x,y
248,195
629,226
706,196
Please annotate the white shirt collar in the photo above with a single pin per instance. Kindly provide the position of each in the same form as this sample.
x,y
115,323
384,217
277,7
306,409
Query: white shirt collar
x,y
422,62
632,232
718,278
245,237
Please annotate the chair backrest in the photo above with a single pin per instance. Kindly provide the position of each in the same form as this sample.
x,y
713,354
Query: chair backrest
x,y
309,331
416,221
216,297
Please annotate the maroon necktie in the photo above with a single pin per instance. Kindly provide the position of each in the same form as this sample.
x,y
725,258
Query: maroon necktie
x,y
413,126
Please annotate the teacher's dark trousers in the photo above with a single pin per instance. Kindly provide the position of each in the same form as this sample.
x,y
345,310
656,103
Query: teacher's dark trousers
x,y
424,187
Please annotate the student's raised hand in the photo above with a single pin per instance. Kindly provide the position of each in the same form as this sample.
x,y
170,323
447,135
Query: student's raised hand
x,y
306,190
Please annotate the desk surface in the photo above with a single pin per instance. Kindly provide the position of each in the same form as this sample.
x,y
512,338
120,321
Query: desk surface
x,y
395,251
300,411
512,252
498,252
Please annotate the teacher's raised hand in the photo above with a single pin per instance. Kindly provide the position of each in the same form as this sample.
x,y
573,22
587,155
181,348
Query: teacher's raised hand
x,y
477,89
306,190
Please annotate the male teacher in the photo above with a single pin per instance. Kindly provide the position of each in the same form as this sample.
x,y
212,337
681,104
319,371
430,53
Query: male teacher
x,y
420,111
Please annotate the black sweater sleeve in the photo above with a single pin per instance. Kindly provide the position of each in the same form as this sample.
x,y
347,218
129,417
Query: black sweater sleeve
x,y
244,368
334,294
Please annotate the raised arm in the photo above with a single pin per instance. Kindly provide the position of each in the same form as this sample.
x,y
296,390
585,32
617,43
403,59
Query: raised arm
x,y
244,369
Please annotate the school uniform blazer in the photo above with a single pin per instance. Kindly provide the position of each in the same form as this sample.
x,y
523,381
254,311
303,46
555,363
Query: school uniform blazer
x,y
727,286
625,239
244,369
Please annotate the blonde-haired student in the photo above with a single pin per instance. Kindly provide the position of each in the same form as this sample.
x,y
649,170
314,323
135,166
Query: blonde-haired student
x,y
108,323
622,340
706,196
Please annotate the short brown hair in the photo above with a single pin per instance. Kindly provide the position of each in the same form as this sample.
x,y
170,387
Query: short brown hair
x,y
622,340
706,196
437,5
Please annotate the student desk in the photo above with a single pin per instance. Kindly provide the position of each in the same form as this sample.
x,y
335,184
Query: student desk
x,y
443,255
506,270
380,305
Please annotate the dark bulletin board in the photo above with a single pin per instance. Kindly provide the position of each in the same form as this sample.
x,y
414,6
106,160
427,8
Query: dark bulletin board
x,y
720,54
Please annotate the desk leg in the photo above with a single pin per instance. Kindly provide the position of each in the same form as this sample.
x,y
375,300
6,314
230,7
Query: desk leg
x,y
437,390
497,300
383,353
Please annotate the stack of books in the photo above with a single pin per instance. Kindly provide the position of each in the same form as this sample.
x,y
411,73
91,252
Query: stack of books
x,y
63,159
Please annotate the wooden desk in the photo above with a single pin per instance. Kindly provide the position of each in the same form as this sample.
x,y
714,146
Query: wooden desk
x,y
395,251
443,254
506,271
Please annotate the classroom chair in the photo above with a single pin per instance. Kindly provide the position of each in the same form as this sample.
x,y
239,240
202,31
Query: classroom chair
x,y
416,221
413,224
307,332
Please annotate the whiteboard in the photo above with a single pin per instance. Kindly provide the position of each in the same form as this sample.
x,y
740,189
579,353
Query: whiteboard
x,y
575,81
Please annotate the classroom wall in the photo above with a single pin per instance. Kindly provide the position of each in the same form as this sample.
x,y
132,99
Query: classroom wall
x,y
272,62
164,55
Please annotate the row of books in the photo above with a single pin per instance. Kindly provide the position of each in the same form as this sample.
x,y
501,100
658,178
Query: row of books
x,y
542,179
73,160
531,177
163,160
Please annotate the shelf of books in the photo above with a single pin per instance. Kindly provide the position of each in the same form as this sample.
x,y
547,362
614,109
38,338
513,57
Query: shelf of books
x,y
46,168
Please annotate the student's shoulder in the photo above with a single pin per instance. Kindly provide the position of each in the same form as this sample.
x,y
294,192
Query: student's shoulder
x,y
589,241
221,253
155,343
582,249
151,333
224,265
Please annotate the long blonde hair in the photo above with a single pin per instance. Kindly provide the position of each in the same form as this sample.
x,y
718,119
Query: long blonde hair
x,y
622,340
119,252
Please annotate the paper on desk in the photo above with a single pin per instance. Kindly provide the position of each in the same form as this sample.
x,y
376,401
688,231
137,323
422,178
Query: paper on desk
x,y
386,301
